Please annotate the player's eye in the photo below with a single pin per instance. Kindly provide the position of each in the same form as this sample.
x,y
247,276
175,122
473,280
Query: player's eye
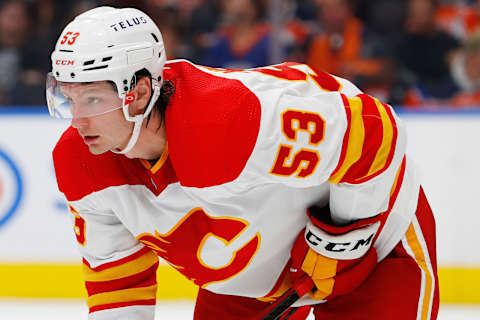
x,y
93,100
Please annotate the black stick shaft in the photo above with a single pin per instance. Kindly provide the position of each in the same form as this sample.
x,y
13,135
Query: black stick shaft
x,y
280,308
300,288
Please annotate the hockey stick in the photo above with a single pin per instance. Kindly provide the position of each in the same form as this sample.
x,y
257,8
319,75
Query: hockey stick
x,y
299,289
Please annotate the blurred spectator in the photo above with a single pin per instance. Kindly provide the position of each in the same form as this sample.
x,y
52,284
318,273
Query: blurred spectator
x,y
35,56
423,56
291,22
78,7
465,70
385,19
345,47
243,40
204,20
139,4
339,38
392,49
458,18
14,24
184,7
305,10
170,21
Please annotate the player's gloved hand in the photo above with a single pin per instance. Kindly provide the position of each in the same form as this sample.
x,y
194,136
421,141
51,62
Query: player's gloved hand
x,y
337,258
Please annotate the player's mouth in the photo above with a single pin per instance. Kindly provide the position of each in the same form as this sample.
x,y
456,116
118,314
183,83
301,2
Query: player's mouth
x,y
90,139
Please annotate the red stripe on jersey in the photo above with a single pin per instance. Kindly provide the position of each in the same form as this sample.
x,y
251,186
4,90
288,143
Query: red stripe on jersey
x,y
325,80
117,262
212,125
398,183
335,230
395,135
343,153
393,144
123,304
373,140
345,100
143,279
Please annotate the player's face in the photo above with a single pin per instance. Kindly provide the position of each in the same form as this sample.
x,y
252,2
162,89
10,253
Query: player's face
x,y
103,132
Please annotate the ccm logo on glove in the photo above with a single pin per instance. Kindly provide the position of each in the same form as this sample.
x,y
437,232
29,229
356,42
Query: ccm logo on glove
x,y
347,246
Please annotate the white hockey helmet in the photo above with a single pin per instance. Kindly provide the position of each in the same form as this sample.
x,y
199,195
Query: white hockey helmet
x,y
106,44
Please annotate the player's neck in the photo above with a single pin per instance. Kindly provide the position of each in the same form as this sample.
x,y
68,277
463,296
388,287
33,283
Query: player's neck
x,y
151,141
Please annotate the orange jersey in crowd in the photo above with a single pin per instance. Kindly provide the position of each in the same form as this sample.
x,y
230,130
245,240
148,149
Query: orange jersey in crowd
x,y
458,20
342,55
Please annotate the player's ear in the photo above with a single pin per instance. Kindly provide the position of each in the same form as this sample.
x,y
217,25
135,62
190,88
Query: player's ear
x,y
143,91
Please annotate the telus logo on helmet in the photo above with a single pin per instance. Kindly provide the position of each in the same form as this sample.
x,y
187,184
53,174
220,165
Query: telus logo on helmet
x,y
128,23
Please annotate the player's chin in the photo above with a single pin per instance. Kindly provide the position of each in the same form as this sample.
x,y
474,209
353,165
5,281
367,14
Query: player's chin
x,y
97,149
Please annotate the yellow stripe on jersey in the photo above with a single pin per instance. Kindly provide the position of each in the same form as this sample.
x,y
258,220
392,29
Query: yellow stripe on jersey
x,y
419,253
154,169
356,138
129,268
125,295
384,150
160,161
394,186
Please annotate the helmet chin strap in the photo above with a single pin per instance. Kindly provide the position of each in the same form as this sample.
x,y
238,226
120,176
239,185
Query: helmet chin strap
x,y
138,119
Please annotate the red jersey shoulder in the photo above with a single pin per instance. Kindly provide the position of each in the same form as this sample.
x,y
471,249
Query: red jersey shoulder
x,y
212,125
80,173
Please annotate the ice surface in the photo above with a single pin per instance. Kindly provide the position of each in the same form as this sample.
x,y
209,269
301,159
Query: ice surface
x,y
20,309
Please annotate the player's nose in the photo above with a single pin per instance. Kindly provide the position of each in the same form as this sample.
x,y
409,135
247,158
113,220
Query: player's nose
x,y
79,122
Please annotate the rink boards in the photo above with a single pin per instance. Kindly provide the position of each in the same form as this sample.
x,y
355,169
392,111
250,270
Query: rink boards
x,y
37,249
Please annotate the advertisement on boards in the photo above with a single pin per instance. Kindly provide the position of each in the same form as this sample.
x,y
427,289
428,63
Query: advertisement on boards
x,y
34,221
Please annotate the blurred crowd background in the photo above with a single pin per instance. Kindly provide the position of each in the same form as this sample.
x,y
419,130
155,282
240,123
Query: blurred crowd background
x,y
412,53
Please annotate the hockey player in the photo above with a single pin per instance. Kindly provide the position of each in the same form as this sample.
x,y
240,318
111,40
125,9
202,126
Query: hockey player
x,y
244,181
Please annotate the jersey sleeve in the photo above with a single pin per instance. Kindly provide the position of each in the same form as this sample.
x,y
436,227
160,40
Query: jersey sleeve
x,y
372,159
355,143
119,272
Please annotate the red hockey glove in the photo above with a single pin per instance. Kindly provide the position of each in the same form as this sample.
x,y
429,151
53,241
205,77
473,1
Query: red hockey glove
x,y
338,259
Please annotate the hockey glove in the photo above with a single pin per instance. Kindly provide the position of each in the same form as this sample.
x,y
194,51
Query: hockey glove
x,y
337,258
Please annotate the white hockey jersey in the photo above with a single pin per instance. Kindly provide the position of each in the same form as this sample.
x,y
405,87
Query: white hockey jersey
x,y
248,151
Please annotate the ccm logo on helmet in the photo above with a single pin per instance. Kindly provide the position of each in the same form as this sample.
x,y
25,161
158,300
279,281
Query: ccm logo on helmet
x,y
65,62
128,23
